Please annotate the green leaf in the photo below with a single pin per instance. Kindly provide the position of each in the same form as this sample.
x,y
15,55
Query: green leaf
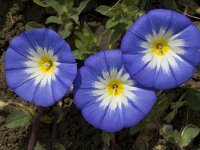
x,y
78,55
174,137
141,126
197,23
143,5
111,23
17,118
41,3
106,137
39,147
82,6
104,10
170,4
193,99
87,31
32,25
69,5
189,132
3,104
54,19
161,105
57,6
46,119
64,33
136,128
79,44
75,18
60,147
128,2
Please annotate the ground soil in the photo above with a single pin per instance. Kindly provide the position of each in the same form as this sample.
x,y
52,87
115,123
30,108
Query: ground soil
x,y
73,131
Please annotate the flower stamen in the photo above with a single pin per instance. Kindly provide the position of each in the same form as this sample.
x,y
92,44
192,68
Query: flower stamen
x,y
47,65
115,87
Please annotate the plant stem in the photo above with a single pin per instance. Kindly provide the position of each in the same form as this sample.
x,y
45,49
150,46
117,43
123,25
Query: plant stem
x,y
54,132
35,126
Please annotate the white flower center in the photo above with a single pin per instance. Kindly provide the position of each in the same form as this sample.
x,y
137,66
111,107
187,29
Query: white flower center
x,y
114,88
42,65
161,49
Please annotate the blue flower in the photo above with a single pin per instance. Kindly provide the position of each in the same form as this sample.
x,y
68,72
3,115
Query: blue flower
x,y
40,66
108,97
161,49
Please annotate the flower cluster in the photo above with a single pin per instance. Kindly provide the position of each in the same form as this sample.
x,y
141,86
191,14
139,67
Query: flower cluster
x,y
115,88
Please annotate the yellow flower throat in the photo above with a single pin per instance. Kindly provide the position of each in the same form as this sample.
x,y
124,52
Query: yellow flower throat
x,y
160,47
46,64
115,88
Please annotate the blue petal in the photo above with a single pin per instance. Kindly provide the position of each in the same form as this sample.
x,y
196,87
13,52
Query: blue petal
x,y
114,59
146,76
131,115
145,100
43,95
168,19
191,37
97,63
134,63
94,114
179,22
66,73
85,78
21,44
59,89
16,77
83,97
141,27
131,44
36,37
24,93
53,40
112,121
14,60
165,81
159,18
64,54
184,71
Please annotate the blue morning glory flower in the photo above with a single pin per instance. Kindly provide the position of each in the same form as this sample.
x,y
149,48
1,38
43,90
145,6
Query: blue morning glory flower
x,y
40,66
108,97
161,49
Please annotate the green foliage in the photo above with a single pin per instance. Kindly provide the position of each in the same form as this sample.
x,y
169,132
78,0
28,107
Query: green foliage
x,y
193,99
31,25
170,4
106,137
41,3
189,132
18,118
89,42
39,147
67,16
122,14
182,139
175,106
56,112
60,147
174,137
